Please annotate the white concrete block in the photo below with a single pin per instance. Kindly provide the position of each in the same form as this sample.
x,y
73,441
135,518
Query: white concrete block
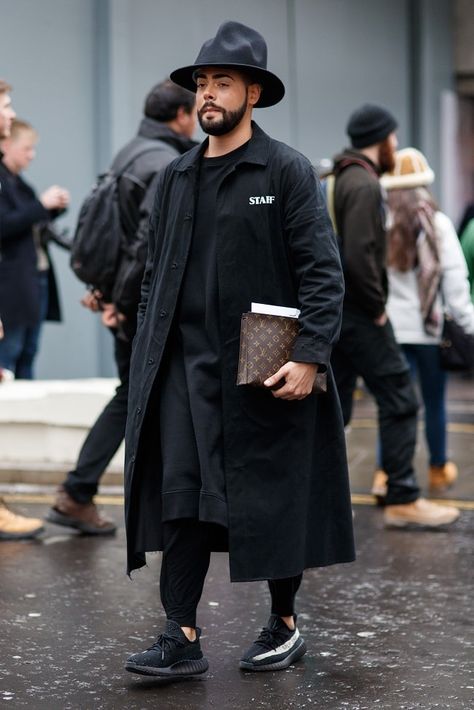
x,y
47,421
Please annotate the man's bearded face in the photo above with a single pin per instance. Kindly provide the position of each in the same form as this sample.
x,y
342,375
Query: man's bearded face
x,y
215,125
387,154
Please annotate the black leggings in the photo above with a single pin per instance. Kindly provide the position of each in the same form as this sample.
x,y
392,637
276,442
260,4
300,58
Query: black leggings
x,y
186,556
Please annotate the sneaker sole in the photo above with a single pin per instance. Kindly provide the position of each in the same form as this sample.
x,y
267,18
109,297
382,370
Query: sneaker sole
x,y
177,670
59,519
22,536
292,657
410,525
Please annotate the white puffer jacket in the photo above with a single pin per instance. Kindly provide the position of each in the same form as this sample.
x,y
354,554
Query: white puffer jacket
x,y
403,306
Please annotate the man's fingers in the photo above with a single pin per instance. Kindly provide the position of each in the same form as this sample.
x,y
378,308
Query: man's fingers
x,y
274,379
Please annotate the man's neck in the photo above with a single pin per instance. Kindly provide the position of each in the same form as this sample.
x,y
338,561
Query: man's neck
x,y
10,165
372,153
221,145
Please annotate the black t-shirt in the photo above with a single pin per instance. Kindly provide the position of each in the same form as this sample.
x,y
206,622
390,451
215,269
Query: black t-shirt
x,y
191,425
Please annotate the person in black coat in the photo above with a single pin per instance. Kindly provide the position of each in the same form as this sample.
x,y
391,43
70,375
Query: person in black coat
x,y
164,133
260,472
12,525
28,292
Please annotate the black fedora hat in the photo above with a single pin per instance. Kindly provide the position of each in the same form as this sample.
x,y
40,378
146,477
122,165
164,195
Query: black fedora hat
x,y
238,47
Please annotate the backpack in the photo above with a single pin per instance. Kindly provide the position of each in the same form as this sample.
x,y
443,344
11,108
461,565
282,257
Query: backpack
x,y
98,238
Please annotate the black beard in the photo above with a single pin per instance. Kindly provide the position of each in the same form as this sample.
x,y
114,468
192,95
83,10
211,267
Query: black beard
x,y
229,120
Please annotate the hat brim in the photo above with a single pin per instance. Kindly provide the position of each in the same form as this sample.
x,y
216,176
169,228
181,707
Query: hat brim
x,y
273,89
409,180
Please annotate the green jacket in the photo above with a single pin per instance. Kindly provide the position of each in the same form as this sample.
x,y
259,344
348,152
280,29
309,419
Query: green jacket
x,y
467,243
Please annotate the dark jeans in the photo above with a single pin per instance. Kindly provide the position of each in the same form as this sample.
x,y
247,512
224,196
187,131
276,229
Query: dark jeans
x,y
106,435
372,352
19,346
186,556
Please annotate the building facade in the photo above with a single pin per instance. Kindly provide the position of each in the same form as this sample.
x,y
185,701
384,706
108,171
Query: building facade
x,y
81,68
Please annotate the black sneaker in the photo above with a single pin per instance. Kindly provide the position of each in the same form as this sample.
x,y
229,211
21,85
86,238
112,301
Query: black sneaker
x,y
276,648
172,655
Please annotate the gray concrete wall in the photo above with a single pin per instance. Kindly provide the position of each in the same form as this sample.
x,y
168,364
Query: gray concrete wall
x,y
81,68
47,52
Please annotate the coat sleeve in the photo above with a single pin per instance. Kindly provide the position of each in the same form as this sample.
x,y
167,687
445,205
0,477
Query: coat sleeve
x,y
455,284
360,232
154,244
17,220
317,268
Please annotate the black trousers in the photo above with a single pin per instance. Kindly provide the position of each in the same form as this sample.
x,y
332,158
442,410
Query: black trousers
x,y
370,351
186,556
106,435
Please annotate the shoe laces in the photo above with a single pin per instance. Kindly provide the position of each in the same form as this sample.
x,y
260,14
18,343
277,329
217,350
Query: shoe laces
x,y
166,642
270,639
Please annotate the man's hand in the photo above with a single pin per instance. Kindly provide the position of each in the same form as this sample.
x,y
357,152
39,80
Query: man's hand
x,y
93,301
299,380
55,198
111,317
381,320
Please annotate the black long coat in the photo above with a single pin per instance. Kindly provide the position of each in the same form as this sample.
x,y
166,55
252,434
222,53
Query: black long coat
x,y
285,461
20,210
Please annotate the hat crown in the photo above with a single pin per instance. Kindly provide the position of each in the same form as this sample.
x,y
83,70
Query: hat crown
x,y
411,170
234,43
241,48
370,124
410,161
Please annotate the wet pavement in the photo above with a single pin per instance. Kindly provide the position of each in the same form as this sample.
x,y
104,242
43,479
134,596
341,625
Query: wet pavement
x,y
393,630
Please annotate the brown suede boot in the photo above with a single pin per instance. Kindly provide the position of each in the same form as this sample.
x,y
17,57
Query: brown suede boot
x,y
442,477
17,527
82,516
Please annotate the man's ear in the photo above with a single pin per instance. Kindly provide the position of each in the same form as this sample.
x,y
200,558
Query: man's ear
x,y
254,93
181,113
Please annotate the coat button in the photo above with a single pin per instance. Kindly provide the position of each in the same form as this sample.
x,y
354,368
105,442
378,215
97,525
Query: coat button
x,y
187,217
139,410
151,361
132,460
174,265
163,314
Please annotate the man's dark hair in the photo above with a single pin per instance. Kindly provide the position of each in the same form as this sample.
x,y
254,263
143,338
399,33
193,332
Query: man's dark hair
x,y
164,100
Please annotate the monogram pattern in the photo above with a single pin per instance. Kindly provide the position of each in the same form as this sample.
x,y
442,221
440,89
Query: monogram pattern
x,y
266,342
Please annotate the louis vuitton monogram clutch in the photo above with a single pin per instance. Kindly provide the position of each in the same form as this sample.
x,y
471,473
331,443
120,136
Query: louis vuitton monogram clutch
x,y
266,342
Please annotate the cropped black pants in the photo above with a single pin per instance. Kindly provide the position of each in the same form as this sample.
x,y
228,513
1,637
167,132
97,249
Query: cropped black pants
x,y
186,556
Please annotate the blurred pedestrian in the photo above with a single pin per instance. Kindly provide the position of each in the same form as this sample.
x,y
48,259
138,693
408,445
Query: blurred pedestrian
x,y
467,216
427,276
467,244
7,115
165,132
367,345
12,525
28,294
261,472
